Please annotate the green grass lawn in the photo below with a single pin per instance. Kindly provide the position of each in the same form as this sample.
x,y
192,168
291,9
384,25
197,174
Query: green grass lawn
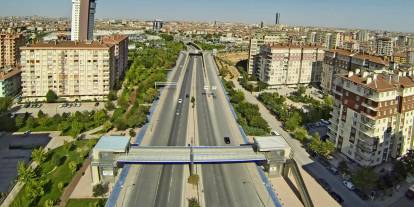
x,y
86,203
56,170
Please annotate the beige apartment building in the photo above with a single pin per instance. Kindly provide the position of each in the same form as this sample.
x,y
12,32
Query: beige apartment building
x,y
120,54
9,48
290,65
340,61
254,48
73,70
372,118
10,81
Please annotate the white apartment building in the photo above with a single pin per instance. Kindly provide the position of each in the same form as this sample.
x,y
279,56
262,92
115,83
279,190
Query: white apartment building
x,y
254,48
372,118
73,70
290,65
384,46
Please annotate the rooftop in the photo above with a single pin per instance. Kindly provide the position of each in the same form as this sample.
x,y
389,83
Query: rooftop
x,y
68,45
272,143
112,143
296,46
372,58
6,73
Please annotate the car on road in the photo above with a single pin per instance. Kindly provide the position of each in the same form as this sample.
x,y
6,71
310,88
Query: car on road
x,y
187,96
348,185
180,100
337,197
325,185
227,140
97,104
177,113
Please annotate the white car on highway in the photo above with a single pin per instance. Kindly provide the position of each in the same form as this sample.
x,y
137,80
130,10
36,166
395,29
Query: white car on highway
x,y
180,100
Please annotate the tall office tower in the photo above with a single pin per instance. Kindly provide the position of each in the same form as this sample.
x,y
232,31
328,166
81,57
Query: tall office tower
x,y
83,19
372,115
157,25
277,21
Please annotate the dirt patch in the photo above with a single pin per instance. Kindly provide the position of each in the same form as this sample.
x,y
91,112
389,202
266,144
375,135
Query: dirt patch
x,y
227,64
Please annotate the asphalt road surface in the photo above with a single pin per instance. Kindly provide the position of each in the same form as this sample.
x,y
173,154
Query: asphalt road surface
x,y
225,184
159,185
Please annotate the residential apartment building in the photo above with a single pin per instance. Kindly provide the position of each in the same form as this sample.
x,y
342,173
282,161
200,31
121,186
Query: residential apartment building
x,y
120,54
334,40
341,61
254,48
9,48
372,117
10,82
73,70
290,65
384,46
83,19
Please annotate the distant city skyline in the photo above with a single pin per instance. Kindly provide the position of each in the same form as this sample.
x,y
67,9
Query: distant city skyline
x,y
388,15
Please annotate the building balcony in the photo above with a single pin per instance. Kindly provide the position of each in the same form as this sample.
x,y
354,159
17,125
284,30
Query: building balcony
x,y
369,107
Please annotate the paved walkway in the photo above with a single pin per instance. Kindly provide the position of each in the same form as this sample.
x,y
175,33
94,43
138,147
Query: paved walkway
x,y
54,143
64,198
319,196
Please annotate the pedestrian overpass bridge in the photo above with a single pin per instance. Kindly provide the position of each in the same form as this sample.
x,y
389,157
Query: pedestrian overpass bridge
x,y
190,155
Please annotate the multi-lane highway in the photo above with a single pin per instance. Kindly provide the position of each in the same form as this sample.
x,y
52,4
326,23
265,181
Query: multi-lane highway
x,y
223,185
158,185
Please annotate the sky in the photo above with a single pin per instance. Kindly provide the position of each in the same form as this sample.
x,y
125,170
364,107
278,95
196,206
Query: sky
x,y
391,15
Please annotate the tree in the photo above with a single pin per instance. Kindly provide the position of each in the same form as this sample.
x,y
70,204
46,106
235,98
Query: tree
x,y
293,121
300,134
49,203
323,148
301,90
73,166
365,179
132,133
35,187
343,167
51,96
25,173
109,106
20,121
112,96
328,100
150,95
5,104
99,190
38,155
237,97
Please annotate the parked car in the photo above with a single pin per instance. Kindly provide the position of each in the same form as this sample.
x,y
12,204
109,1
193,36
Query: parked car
x,y
27,105
78,104
348,185
325,185
337,197
97,104
333,170
227,140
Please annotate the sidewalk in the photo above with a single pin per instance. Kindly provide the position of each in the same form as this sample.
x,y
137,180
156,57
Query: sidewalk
x,y
54,143
319,196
